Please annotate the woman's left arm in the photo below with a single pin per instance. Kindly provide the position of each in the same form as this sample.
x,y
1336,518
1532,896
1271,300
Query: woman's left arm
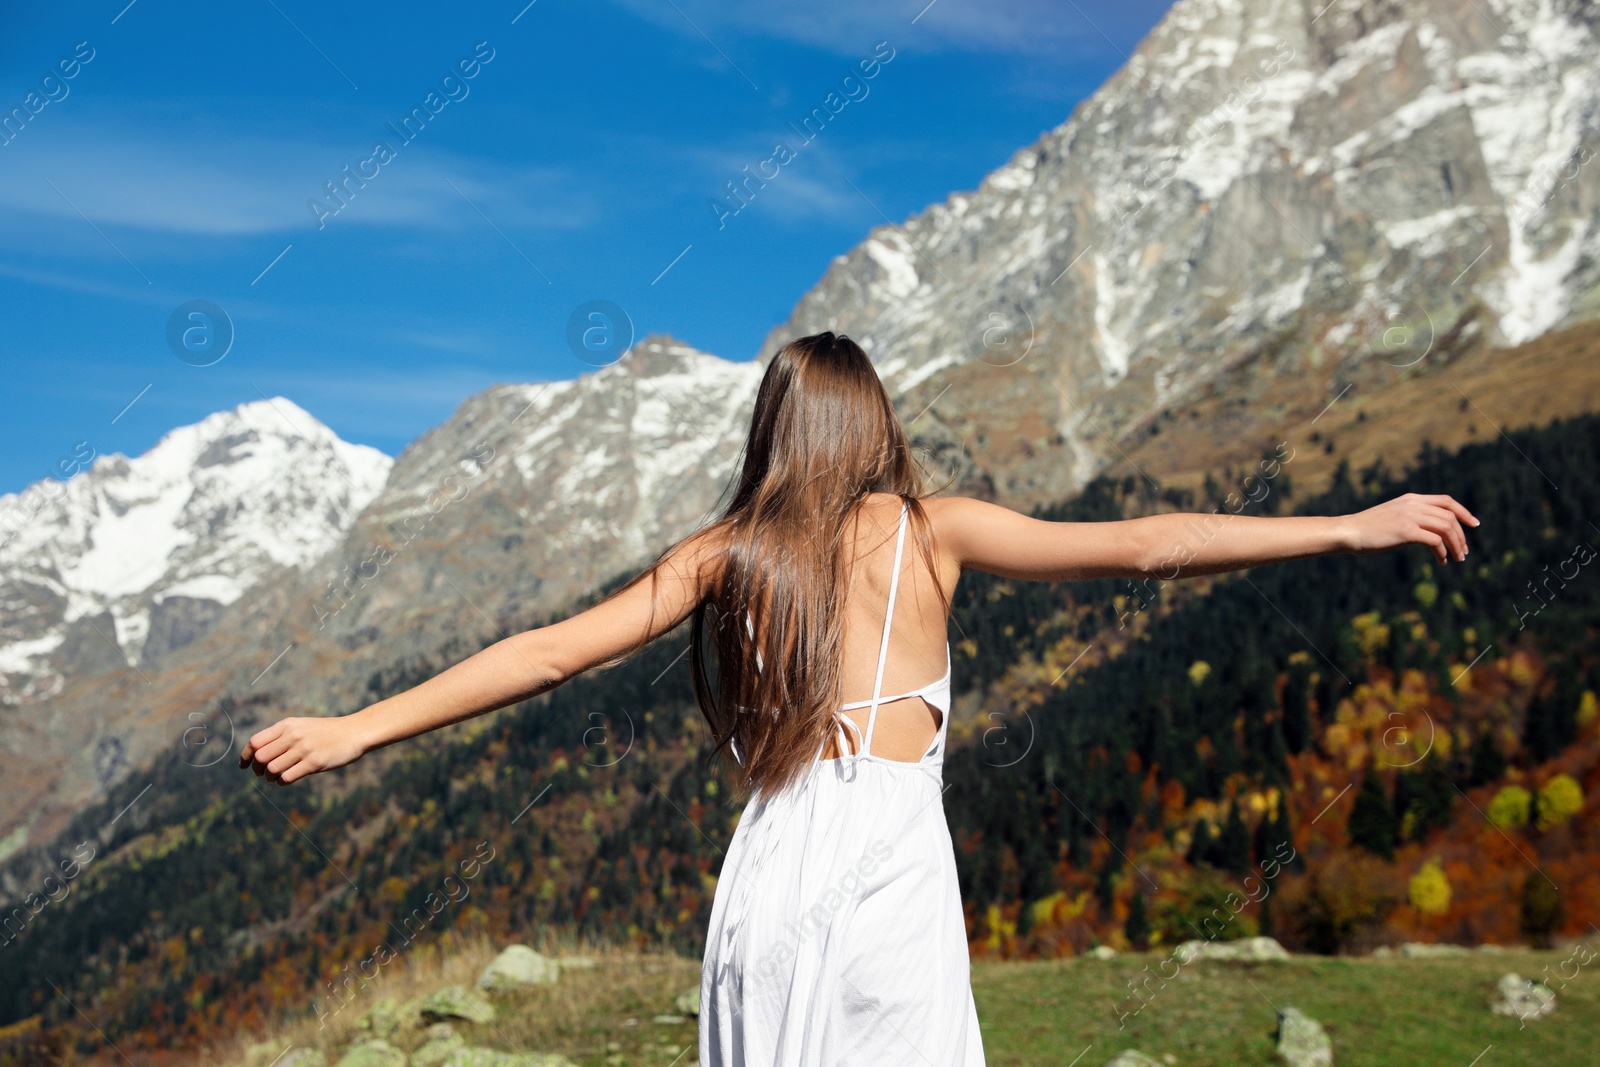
x,y
511,670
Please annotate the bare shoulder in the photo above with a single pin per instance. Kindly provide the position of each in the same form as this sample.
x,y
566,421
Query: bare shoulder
x,y
960,523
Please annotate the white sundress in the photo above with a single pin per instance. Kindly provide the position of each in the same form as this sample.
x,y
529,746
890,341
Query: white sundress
x,y
837,934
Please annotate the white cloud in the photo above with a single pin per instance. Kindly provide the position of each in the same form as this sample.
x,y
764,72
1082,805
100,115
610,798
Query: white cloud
x,y
240,186
1037,27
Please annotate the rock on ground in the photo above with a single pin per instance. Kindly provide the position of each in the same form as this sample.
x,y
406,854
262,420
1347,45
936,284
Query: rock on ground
x,y
1102,952
1421,950
1523,998
688,1002
1302,1042
1132,1058
488,1057
1249,948
383,1018
372,1053
453,1002
304,1056
517,967
440,1043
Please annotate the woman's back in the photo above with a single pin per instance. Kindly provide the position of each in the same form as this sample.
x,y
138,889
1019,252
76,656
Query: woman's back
x,y
917,650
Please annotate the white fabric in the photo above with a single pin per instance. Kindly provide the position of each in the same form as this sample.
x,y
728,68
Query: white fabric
x,y
837,935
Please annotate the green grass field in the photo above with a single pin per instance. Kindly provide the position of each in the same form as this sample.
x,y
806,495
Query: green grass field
x,y
1411,1012
1407,1012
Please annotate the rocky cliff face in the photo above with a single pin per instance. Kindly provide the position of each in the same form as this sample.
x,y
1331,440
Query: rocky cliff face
x,y
1271,192
1324,189
133,558
527,498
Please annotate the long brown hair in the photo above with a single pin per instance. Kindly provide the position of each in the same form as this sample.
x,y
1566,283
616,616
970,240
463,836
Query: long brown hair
x,y
823,436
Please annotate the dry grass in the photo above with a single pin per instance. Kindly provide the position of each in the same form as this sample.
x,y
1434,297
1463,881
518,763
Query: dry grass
x,y
1384,414
593,1014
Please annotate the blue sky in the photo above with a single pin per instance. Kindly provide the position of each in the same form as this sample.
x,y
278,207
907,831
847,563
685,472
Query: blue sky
x,y
179,161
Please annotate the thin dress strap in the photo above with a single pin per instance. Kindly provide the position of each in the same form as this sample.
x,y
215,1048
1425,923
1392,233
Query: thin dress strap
x,y
888,620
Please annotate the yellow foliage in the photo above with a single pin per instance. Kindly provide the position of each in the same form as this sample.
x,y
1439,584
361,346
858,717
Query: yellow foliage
x,y
1044,911
1520,669
1426,593
1559,800
1509,808
1430,889
1198,670
1300,658
1587,709
1371,633
1057,908
999,927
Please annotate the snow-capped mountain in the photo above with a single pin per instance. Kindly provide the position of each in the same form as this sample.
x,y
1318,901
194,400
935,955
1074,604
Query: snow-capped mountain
x,y
1336,186
529,496
132,558
1272,197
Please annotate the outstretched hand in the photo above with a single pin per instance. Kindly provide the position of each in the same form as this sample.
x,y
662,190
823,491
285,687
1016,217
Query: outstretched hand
x,y
1433,520
291,749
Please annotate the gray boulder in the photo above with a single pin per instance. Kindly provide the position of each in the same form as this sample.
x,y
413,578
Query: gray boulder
x,y
1421,950
382,1019
1523,998
302,1056
1102,952
518,967
440,1043
374,1052
1302,1042
453,1002
1132,1058
488,1057
1249,948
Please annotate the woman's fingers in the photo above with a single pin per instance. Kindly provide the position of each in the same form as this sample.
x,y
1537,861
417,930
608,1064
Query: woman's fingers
x,y
268,753
1443,525
257,739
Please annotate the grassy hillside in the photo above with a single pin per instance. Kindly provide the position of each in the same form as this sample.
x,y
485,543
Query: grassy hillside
x,y
1412,750
1419,1012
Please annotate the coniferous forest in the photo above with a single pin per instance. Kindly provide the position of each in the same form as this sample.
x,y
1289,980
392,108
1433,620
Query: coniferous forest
x,y
1342,752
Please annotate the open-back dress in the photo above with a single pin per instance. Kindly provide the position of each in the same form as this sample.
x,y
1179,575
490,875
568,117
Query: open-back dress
x,y
837,935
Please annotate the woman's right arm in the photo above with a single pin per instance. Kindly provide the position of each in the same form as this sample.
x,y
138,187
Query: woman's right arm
x,y
988,537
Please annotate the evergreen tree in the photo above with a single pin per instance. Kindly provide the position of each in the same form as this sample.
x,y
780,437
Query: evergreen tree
x,y
1233,844
1137,928
1372,823
1200,845
1488,763
1541,912
1433,798
1297,710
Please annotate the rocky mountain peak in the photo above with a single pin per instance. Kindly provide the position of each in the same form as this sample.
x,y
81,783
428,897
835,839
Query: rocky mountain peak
x,y
126,558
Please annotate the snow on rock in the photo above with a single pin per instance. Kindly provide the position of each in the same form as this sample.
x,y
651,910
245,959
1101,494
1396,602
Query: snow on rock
x,y
210,510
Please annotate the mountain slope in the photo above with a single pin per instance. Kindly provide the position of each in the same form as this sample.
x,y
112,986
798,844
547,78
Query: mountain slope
x,y
1332,191
527,498
145,552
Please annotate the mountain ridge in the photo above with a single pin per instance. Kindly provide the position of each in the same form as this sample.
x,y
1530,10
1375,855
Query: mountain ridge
x,y
1265,196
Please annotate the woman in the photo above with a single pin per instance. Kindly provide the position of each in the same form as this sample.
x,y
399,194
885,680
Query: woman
x,y
836,931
